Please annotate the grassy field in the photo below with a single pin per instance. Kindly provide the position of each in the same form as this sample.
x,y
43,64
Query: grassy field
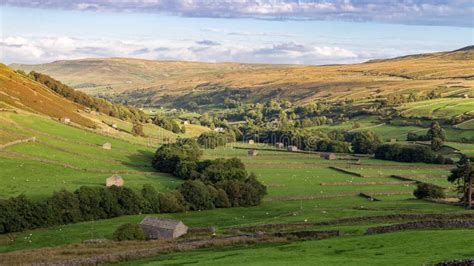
x,y
301,188
396,130
294,181
438,108
403,248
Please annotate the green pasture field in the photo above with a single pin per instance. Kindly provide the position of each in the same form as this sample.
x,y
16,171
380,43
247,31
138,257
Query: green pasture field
x,y
467,125
301,187
401,248
438,108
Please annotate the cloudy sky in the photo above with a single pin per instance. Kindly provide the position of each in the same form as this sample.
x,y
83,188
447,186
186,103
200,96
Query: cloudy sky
x,y
252,31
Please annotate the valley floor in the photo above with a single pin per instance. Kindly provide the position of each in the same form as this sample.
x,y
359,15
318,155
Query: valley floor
x,y
302,188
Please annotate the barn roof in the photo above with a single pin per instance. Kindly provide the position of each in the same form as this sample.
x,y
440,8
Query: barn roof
x,y
114,177
160,222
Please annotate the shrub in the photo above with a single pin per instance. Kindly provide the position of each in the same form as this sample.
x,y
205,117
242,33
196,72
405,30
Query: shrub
x,y
151,199
65,206
364,142
172,202
197,195
405,153
222,200
425,190
186,169
129,232
137,129
222,169
90,202
128,200
436,144
168,156
212,140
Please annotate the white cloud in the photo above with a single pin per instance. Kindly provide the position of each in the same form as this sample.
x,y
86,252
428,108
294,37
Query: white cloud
x,y
21,49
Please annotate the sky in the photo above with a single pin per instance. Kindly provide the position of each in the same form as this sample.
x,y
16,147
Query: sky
x,y
248,31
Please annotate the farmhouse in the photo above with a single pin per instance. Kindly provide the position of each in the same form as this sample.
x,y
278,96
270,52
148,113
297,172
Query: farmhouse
x,y
251,141
328,156
158,228
292,148
279,145
114,180
185,122
253,152
107,146
393,140
65,120
219,129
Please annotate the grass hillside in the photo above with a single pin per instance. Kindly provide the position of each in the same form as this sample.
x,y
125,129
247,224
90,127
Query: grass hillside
x,y
152,82
23,93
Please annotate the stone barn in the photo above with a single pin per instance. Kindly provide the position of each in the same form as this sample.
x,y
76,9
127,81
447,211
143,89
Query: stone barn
x,y
279,145
158,228
292,148
65,120
328,156
114,180
107,146
393,140
251,141
252,152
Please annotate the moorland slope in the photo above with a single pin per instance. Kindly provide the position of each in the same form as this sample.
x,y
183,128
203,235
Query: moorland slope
x,y
147,82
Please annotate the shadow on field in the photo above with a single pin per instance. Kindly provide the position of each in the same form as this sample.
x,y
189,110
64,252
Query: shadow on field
x,y
140,161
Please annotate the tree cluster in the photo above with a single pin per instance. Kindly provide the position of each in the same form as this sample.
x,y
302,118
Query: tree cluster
x,y
430,191
212,139
85,204
168,124
218,183
409,153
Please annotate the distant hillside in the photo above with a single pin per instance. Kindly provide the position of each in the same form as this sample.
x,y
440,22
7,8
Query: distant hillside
x,y
21,92
145,82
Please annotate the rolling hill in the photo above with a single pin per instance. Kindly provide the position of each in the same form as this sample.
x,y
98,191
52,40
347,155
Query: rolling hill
x,y
21,95
138,81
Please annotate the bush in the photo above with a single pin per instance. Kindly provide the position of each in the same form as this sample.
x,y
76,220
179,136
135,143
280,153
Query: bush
x,y
212,140
168,156
364,142
65,206
222,169
172,202
137,129
405,153
151,199
197,195
436,144
425,190
222,200
247,193
129,232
